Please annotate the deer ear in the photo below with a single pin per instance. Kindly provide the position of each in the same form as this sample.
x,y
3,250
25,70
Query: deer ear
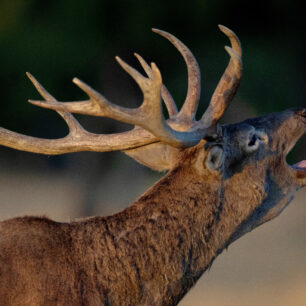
x,y
157,156
215,158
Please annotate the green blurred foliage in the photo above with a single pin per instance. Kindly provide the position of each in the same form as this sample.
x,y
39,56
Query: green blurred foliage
x,y
57,40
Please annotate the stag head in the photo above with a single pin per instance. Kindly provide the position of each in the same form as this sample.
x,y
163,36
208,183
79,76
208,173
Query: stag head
x,y
258,157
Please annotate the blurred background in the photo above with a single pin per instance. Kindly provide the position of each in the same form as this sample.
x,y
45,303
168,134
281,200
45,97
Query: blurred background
x,y
57,40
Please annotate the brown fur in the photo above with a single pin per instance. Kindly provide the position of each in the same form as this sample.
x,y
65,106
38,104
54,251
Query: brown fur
x,y
155,250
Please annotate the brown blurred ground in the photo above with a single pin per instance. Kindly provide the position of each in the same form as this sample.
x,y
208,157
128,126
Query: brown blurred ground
x,y
266,267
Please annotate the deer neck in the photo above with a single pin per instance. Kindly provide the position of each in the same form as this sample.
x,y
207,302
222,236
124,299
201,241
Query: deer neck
x,y
171,234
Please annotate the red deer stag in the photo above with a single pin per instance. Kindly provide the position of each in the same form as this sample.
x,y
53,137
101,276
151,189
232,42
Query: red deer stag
x,y
223,181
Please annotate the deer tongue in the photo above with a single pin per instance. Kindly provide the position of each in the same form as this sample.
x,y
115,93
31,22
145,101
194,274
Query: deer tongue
x,y
300,165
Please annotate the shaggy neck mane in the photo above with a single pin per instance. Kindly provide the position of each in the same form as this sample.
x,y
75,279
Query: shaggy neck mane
x,y
162,243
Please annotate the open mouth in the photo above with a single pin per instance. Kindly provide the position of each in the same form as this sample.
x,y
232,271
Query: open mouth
x,y
299,172
300,165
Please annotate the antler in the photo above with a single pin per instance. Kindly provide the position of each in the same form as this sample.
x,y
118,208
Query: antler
x,y
180,130
190,105
228,84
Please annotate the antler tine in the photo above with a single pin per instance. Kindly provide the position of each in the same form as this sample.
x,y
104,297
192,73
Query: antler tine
x,y
228,84
43,92
165,94
190,105
235,42
73,124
